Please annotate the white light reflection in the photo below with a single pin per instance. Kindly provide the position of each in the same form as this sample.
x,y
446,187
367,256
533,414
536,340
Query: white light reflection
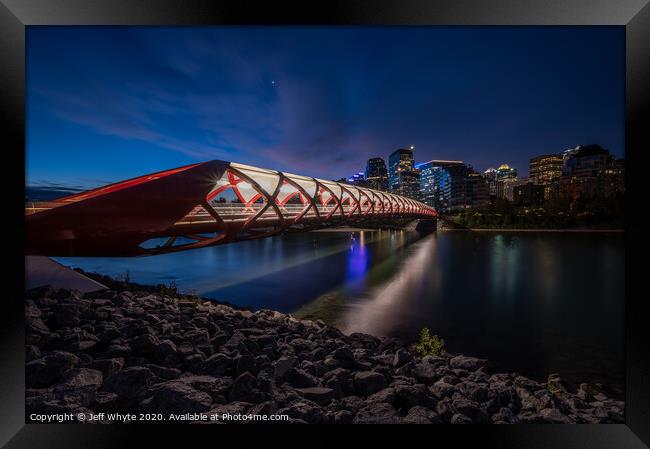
x,y
378,314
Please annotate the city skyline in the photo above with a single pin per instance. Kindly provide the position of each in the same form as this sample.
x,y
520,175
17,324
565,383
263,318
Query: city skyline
x,y
109,103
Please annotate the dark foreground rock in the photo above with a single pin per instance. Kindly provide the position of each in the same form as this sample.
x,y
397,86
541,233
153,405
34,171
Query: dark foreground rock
x,y
139,351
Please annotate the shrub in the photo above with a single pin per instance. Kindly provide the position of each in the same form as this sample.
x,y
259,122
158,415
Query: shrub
x,y
168,290
429,344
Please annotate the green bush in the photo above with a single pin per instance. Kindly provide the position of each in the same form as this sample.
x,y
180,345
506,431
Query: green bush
x,y
429,344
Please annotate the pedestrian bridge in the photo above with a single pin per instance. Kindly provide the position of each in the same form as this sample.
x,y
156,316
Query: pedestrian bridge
x,y
201,205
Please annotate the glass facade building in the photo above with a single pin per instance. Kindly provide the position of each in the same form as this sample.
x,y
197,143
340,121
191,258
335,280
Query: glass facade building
x,y
377,174
435,183
546,170
403,177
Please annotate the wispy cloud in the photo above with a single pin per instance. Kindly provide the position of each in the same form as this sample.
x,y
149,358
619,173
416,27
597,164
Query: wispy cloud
x,y
321,101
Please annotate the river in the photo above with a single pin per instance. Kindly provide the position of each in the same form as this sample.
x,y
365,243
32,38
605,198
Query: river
x,y
534,303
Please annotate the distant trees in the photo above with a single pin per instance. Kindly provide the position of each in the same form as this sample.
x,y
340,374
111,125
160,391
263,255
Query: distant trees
x,y
597,211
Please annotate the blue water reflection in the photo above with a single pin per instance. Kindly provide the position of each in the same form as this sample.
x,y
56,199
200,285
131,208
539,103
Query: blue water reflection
x,y
534,303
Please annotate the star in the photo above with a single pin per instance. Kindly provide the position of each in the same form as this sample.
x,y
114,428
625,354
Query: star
x,y
272,82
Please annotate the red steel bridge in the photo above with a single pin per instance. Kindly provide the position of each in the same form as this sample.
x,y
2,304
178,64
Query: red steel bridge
x,y
185,208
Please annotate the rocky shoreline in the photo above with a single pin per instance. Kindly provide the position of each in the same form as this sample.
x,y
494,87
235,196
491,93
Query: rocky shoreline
x,y
136,349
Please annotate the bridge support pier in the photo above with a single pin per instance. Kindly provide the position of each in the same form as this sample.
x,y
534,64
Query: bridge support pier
x,y
426,225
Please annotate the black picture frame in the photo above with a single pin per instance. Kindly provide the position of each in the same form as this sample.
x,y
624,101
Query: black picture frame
x,y
634,15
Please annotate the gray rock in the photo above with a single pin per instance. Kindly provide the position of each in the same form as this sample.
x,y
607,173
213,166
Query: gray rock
x,y
386,395
234,408
319,395
402,357
459,418
144,345
554,416
343,417
470,409
442,389
467,363
265,408
175,396
164,372
105,402
117,350
129,382
79,386
409,396
244,363
343,353
369,382
283,364
425,372
474,391
245,389
107,366
300,378
32,353
195,362
166,353
304,411
376,413
421,415
49,368
217,364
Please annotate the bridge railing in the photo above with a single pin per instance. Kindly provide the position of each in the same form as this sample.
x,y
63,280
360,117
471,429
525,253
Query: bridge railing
x,y
206,204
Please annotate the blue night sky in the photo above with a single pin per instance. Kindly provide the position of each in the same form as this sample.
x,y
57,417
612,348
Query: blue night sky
x,y
109,103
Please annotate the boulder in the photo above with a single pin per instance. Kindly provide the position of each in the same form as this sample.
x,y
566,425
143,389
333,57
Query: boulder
x,y
421,415
304,411
217,364
343,353
319,395
129,382
144,345
166,353
343,417
376,413
49,368
467,363
470,409
409,396
194,362
107,366
401,358
175,397
244,363
425,372
473,391
245,389
284,364
369,382
300,378
79,386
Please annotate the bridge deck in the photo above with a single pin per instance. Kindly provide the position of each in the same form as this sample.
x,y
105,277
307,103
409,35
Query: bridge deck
x,y
190,202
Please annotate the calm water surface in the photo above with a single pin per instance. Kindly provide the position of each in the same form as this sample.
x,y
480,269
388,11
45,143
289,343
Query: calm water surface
x,y
535,303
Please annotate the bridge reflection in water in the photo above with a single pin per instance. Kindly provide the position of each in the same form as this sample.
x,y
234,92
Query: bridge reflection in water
x,y
188,207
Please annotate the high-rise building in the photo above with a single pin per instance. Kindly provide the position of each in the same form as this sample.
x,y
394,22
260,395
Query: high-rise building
x,y
376,174
477,192
506,176
546,170
490,176
435,182
358,179
403,177
588,171
528,193
460,187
